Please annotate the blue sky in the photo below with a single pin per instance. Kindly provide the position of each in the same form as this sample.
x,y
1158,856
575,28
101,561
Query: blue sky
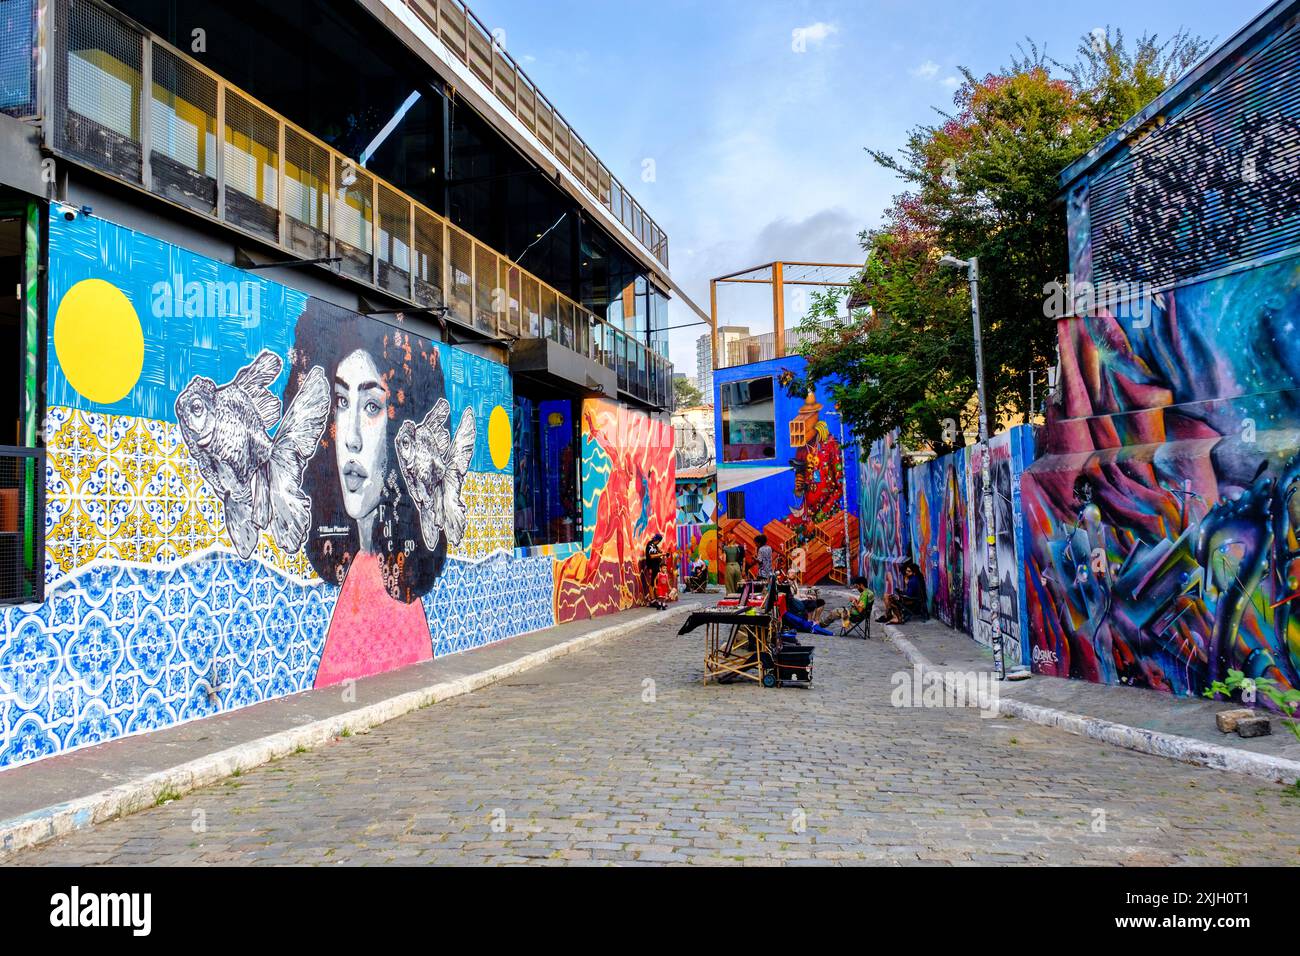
x,y
758,149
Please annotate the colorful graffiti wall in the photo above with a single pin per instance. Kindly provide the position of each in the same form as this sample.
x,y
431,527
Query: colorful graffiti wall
x,y
1009,454
938,495
1163,519
781,470
883,511
697,490
628,497
944,510
1161,523
250,492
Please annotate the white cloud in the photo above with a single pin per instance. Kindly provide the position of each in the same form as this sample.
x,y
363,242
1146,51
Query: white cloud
x,y
815,33
927,70
952,82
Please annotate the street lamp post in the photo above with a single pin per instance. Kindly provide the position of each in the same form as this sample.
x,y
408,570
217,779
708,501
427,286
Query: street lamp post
x,y
972,268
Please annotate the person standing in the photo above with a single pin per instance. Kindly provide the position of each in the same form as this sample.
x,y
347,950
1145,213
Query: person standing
x,y
765,556
652,563
734,554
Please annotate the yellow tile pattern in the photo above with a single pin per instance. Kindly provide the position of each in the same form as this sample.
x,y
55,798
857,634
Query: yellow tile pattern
x,y
490,500
125,488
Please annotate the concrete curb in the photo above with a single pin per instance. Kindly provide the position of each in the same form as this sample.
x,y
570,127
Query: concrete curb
x,y
49,823
1156,743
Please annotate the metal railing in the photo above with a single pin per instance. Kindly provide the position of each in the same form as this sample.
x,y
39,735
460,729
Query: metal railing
x,y
761,347
22,525
123,101
466,36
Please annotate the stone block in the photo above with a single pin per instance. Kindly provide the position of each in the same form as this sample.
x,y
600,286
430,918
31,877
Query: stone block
x,y
1255,726
1227,719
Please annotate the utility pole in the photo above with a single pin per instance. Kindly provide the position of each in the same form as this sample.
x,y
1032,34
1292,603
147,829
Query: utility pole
x,y
972,268
844,489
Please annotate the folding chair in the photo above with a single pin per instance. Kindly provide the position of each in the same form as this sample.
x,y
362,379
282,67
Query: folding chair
x,y
863,625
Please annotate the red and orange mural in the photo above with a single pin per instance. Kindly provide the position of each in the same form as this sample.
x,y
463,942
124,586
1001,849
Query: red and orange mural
x,y
629,495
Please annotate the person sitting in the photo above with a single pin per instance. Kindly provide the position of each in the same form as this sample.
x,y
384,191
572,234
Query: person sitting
x,y
860,609
906,601
798,565
806,615
697,581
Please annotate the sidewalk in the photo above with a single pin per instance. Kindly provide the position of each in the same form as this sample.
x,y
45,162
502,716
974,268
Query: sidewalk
x,y
1178,727
51,797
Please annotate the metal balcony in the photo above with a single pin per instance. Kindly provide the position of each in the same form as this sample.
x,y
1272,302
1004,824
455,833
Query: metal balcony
x,y
121,100
467,38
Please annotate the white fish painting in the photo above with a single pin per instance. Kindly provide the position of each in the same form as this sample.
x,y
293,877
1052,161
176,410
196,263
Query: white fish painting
x,y
433,465
257,477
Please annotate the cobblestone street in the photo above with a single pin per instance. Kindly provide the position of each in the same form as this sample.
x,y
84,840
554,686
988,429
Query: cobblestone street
x,y
575,763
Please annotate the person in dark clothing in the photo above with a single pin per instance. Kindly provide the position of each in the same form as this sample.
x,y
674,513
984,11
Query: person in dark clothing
x,y
907,600
698,580
765,557
651,565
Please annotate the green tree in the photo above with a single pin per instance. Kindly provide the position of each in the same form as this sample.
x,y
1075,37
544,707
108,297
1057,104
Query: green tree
x,y
982,183
686,394
1113,83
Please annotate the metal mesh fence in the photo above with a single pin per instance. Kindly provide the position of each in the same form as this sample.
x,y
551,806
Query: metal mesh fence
x,y
532,307
97,88
252,166
354,216
510,321
460,258
22,493
183,132
480,56
451,25
486,294
550,328
429,252
394,242
18,57
306,195
526,106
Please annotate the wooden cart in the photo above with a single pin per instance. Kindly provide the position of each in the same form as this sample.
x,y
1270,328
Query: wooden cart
x,y
744,642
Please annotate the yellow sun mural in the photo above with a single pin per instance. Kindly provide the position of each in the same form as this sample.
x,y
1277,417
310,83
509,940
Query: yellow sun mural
x,y
99,341
499,437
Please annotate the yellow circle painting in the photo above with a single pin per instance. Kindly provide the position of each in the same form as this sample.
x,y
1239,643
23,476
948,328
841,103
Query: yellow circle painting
x,y
99,341
499,437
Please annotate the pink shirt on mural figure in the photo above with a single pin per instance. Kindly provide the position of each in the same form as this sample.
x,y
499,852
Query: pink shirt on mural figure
x,y
371,632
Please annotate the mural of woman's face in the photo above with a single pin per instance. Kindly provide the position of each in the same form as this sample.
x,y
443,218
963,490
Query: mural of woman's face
x,y
361,433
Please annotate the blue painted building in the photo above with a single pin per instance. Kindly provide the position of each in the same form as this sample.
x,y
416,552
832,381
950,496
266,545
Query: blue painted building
x,y
786,468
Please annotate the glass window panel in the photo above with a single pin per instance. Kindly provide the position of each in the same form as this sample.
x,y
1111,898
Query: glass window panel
x,y
748,420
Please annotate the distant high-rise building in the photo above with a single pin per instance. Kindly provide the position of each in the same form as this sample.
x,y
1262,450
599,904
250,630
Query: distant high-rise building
x,y
704,355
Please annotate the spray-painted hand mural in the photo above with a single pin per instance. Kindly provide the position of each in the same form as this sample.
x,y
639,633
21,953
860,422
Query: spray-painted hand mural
x,y
227,429
433,467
